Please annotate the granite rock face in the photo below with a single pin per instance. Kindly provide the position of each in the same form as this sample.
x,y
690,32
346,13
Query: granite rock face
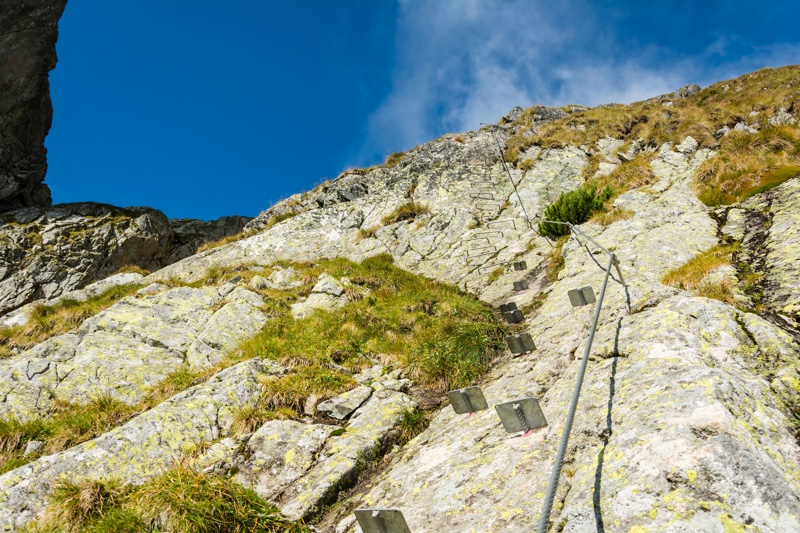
x,y
768,225
143,447
128,348
47,252
28,33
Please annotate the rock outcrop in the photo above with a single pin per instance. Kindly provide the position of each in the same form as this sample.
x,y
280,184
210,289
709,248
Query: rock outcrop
x,y
677,387
47,252
127,349
28,32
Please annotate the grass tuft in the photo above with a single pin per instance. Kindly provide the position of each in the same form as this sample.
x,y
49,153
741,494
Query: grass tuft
x,y
186,501
749,164
394,159
555,259
74,505
692,275
181,500
408,211
414,422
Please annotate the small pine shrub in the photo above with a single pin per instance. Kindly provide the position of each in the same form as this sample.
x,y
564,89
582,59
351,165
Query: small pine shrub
x,y
575,207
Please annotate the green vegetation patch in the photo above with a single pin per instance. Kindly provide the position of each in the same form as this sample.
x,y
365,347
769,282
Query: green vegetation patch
x,y
575,207
441,335
408,211
50,320
180,500
555,259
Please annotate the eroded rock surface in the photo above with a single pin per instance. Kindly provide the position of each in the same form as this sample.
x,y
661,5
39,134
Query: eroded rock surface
x,y
682,425
768,225
130,347
47,252
143,447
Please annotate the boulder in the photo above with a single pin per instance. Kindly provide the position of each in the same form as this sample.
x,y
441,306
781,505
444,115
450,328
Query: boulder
x,y
340,407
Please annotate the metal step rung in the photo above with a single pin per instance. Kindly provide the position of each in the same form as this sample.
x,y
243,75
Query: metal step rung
x,y
481,240
503,221
482,196
487,248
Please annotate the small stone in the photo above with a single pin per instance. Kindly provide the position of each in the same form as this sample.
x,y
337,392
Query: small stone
x,y
327,284
34,446
226,289
153,288
310,405
688,145
513,115
369,375
345,525
284,279
340,407
259,282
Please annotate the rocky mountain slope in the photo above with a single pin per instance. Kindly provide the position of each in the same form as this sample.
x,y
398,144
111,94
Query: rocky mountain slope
x,y
298,373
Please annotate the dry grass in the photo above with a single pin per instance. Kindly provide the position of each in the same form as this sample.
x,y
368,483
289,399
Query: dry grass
x,y
742,163
692,275
555,259
459,139
628,175
749,164
368,233
225,240
131,269
607,218
74,505
394,159
408,211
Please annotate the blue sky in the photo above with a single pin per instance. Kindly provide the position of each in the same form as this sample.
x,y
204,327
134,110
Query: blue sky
x,y
209,108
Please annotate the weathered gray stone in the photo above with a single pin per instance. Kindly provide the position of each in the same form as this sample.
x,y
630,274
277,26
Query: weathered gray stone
x,y
343,456
259,282
769,225
48,252
340,407
513,115
687,146
283,279
279,453
328,285
141,448
33,446
128,348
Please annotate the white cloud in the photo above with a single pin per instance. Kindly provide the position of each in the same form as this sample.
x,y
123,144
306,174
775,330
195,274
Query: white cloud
x,y
462,62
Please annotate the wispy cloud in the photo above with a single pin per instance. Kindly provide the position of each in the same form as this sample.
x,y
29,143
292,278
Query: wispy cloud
x,y
462,62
